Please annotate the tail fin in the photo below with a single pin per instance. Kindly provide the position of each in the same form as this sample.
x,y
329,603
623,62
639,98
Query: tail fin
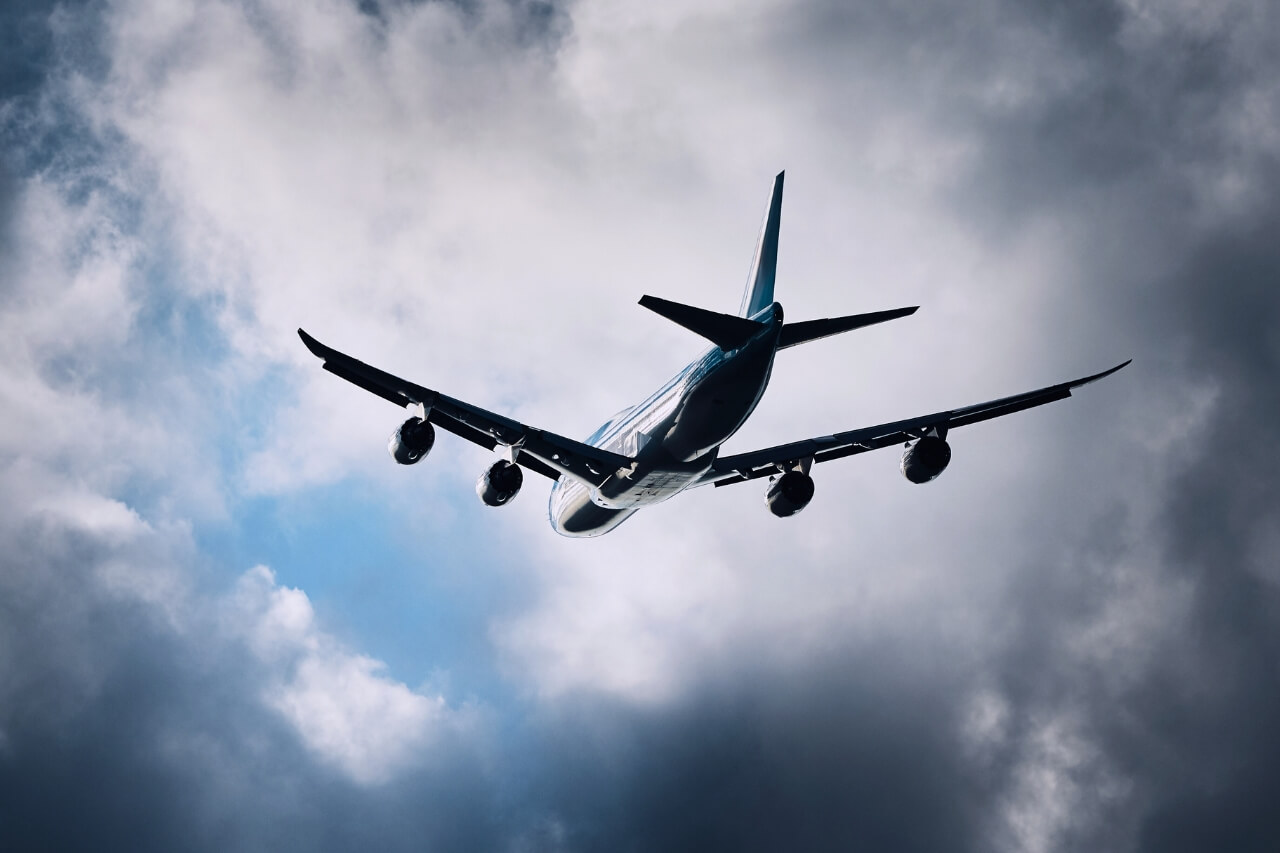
x,y
759,292
723,330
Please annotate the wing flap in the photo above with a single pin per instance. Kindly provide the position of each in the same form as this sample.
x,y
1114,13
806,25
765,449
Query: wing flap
x,y
532,462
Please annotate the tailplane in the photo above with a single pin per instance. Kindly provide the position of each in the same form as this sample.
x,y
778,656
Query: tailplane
x,y
724,330
764,267
810,330
729,332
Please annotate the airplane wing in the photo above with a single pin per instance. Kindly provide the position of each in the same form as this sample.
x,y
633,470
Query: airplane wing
x,y
741,467
538,450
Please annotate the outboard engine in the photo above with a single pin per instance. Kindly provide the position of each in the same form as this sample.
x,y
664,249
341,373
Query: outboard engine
x,y
926,459
789,494
499,483
412,441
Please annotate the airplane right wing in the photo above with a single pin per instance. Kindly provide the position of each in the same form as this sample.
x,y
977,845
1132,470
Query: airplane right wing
x,y
545,452
741,467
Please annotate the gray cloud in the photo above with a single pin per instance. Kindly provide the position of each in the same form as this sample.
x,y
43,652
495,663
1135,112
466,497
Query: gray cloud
x,y
1211,704
1163,138
836,754
128,725
1094,671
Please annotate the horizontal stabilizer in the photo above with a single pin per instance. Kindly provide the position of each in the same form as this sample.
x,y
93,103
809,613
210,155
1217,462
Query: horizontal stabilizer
x,y
724,330
811,330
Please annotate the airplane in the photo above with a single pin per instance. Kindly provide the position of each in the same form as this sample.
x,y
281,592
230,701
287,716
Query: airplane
x,y
671,442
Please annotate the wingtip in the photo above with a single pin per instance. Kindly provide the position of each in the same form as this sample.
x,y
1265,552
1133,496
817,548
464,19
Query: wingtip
x,y
1122,364
1104,374
311,343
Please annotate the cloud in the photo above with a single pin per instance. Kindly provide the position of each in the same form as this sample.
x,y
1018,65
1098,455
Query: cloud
x,y
340,703
163,713
1062,644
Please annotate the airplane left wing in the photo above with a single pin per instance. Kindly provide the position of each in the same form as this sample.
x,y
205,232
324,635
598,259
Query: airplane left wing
x,y
545,452
741,467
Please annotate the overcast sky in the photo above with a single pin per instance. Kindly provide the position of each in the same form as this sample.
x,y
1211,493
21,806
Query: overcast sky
x,y
229,622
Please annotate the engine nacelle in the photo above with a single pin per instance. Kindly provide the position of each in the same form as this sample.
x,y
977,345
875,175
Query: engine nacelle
x,y
926,459
412,441
500,482
789,494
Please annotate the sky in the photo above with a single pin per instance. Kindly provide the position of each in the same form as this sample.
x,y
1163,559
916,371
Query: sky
x,y
229,621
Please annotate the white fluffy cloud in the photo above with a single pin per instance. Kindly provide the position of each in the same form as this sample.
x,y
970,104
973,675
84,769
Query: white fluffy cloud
x,y
89,423
342,704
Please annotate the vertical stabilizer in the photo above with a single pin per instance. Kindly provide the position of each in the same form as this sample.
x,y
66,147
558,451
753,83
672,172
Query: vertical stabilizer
x,y
759,292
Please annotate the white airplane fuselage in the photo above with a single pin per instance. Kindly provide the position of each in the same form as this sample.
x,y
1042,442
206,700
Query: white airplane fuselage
x,y
673,437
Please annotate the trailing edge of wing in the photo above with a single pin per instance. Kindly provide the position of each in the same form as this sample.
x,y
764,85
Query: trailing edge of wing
x,y
543,452
761,463
794,334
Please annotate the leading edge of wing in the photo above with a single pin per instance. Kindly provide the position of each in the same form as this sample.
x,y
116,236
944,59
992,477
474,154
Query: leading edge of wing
x,y
741,467
538,450
385,385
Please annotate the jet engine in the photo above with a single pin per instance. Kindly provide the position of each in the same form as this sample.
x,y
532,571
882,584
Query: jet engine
x,y
789,494
412,441
926,459
499,483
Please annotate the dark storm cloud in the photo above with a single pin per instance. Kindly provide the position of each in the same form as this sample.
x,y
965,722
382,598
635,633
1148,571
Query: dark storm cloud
x,y
39,133
1195,730
838,754
162,741
1213,706
115,729
26,53
1198,734
1146,116
1149,129
1130,152
26,46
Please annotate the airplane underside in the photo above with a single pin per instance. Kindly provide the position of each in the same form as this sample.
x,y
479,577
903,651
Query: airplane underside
x,y
573,513
577,510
